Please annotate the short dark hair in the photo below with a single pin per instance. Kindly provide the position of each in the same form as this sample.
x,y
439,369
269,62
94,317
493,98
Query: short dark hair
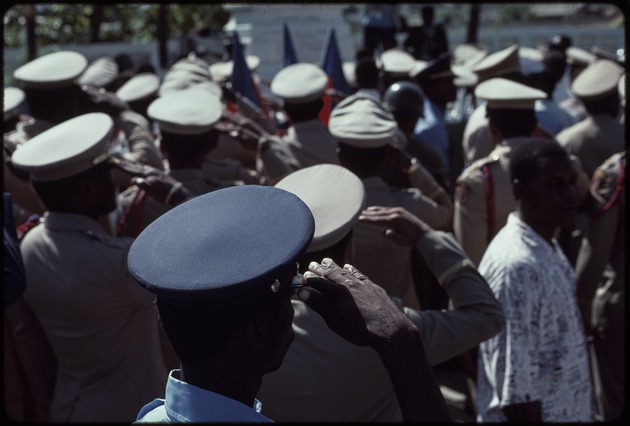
x,y
361,161
367,73
528,157
56,194
183,148
299,112
513,122
200,333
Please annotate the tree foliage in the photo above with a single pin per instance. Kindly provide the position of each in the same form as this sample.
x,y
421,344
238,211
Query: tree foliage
x,y
70,23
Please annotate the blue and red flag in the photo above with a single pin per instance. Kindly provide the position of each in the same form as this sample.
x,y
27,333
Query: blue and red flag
x,y
289,57
241,79
331,64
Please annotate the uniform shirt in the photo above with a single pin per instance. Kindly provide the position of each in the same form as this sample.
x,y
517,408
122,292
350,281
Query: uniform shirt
x,y
306,144
432,129
324,378
228,171
483,200
477,140
185,403
137,211
593,140
541,355
551,117
385,262
100,323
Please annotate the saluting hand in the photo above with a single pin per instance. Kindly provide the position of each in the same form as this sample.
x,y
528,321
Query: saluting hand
x,y
399,225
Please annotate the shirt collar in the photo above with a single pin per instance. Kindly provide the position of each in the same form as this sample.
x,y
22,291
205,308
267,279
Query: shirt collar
x,y
188,403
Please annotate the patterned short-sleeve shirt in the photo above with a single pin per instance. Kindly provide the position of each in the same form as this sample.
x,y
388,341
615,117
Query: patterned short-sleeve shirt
x,y
541,355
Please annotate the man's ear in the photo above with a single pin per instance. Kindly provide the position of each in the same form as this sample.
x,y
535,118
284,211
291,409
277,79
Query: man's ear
x,y
255,330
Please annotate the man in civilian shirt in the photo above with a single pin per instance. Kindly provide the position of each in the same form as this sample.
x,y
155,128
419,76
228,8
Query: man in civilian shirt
x,y
537,369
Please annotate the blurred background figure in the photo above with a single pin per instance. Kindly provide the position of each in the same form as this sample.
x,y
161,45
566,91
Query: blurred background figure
x,y
427,41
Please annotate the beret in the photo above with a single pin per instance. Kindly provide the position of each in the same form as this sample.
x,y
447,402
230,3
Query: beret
x,y
54,70
362,122
335,196
224,247
508,94
598,80
140,86
498,63
100,72
13,98
186,112
299,83
66,149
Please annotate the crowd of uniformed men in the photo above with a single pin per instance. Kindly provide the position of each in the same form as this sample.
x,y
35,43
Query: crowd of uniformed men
x,y
432,136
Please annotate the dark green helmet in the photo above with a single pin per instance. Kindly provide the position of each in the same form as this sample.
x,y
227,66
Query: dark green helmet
x,y
404,97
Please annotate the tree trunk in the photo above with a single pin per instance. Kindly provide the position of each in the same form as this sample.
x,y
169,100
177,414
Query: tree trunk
x,y
473,23
31,44
162,35
95,23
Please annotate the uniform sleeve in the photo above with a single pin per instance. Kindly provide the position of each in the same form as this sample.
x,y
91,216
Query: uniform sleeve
x,y
520,297
277,160
142,148
437,216
470,220
476,314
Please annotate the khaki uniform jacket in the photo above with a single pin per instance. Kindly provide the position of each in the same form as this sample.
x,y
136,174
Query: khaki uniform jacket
x,y
308,143
325,378
483,200
137,210
477,142
382,260
100,323
593,140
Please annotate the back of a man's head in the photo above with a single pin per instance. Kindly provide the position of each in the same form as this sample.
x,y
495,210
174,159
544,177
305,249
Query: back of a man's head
x,y
528,157
367,74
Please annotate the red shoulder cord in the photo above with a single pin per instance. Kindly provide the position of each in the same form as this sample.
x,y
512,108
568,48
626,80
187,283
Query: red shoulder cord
x,y
138,201
618,188
489,188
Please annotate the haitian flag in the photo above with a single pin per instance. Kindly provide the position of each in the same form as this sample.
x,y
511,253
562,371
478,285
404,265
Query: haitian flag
x,y
290,57
241,79
331,64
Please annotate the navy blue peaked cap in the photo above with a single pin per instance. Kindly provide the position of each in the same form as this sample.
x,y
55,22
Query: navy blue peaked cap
x,y
227,246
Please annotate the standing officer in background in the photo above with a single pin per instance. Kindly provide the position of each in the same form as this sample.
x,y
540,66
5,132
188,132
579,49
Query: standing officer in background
x,y
601,280
365,131
600,134
405,101
186,119
483,195
101,327
231,265
301,87
428,41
